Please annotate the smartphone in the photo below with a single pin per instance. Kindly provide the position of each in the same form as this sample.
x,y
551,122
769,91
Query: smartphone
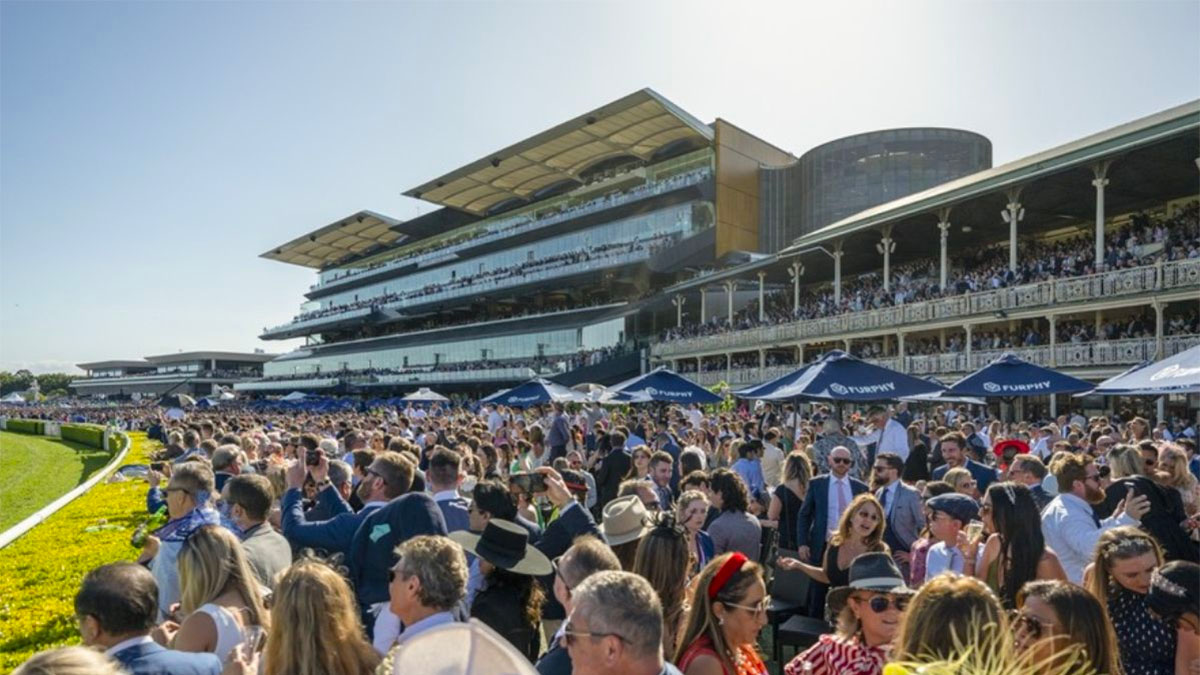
x,y
312,457
529,483
157,466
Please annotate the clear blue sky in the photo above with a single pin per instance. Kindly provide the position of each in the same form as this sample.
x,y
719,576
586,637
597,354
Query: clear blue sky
x,y
150,151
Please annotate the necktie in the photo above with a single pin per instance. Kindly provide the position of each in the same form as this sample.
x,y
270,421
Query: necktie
x,y
843,500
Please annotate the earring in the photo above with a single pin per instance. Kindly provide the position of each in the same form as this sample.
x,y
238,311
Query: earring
x,y
720,621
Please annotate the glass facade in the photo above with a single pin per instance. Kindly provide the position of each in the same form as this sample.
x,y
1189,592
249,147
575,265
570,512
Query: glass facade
x,y
673,221
548,344
841,178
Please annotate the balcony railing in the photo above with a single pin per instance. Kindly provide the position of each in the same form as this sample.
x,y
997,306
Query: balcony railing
x,y
1122,353
1158,277
315,382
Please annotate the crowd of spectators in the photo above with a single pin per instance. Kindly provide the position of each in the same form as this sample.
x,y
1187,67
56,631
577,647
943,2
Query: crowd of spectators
x,y
1145,240
646,541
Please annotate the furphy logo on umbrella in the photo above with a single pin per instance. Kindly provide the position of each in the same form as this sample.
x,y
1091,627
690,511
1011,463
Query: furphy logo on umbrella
x,y
1175,370
843,389
996,388
655,391
523,399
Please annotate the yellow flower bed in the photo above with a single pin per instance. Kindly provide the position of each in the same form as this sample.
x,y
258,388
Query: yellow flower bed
x,y
41,571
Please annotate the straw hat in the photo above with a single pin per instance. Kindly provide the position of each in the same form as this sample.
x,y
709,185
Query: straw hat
x,y
460,649
505,545
625,520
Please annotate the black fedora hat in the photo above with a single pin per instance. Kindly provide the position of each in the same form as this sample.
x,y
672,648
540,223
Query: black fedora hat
x,y
873,572
505,545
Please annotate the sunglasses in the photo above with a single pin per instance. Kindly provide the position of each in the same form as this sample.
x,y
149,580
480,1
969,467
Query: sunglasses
x,y
169,489
1028,623
882,603
569,636
755,610
839,460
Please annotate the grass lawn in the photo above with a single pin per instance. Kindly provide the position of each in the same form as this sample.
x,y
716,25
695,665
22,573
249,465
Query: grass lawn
x,y
35,471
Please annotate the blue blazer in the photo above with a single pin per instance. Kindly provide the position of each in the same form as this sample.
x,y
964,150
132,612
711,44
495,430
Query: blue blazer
x,y
556,661
151,658
983,475
455,512
333,535
811,521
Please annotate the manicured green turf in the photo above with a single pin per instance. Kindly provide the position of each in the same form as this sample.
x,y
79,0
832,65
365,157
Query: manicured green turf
x,y
35,471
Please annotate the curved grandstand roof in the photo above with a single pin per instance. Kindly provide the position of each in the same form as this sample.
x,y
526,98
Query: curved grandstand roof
x,y
353,235
639,124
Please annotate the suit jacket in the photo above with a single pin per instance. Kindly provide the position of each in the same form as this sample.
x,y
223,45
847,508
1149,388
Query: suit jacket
x,y
371,553
455,512
983,475
811,521
907,517
333,535
150,658
612,470
556,661
267,551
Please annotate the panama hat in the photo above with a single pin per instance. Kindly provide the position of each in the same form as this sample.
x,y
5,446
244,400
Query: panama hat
x,y
470,648
869,572
505,545
625,520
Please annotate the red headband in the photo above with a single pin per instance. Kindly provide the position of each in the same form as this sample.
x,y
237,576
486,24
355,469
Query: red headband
x,y
732,565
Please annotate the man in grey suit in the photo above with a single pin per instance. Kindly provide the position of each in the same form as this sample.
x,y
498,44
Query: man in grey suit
x,y
267,551
901,508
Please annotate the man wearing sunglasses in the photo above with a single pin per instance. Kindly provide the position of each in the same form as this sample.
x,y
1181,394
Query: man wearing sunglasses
x,y
615,627
587,556
828,496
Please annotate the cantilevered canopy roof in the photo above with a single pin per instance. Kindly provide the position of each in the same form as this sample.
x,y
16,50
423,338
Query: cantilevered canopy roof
x,y
353,235
637,125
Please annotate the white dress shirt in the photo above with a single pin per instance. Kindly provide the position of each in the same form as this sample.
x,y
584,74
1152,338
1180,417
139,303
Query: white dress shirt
x,y
834,514
893,438
1071,532
772,464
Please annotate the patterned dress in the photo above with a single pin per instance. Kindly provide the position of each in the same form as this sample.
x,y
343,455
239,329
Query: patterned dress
x,y
1147,646
834,655
747,661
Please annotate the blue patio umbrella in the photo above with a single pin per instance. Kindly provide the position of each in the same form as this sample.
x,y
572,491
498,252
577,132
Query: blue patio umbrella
x,y
942,396
838,376
662,385
771,385
1179,374
534,392
1009,376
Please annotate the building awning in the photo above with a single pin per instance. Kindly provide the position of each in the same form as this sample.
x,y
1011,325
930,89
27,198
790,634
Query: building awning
x,y
113,364
352,236
638,125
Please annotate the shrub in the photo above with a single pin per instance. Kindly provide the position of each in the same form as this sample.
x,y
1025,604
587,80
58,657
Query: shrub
x,y
41,571
36,427
87,434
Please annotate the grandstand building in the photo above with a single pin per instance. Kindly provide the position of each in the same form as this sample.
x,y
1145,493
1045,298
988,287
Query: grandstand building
x,y
192,373
635,235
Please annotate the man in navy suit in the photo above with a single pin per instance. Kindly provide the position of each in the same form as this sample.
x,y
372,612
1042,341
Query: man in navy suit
x,y
954,452
389,476
828,496
443,477
117,606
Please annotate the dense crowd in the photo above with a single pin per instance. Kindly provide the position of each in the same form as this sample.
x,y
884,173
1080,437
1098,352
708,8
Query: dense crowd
x,y
1142,242
650,540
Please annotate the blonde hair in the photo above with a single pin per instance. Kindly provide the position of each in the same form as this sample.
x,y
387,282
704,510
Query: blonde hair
x,y
702,621
211,562
318,627
1119,543
1181,478
874,541
943,613
69,661
956,476
685,500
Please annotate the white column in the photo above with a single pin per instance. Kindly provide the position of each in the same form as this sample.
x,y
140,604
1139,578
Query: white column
x,y
703,306
762,359
967,346
678,301
1053,340
837,271
900,352
1100,171
762,280
1158,330
885,246
729,286
944,228
795,271
1012,215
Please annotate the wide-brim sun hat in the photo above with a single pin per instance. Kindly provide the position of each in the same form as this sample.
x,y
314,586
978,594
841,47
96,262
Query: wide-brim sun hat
x,y
625,520
1020,446
874,572
506,545
470,648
